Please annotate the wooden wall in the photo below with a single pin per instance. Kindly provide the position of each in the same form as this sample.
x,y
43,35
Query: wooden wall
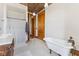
x,y
41,25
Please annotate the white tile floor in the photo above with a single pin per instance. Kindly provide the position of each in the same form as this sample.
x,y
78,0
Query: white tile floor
x,y
35,47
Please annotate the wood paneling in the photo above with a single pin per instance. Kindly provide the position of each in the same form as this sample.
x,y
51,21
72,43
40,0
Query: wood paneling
x,y
41,25
35,7
75,53
6,50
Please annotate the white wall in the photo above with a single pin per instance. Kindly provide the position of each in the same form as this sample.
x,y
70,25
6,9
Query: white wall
x,y
54,21
62,21
36,34
1,10
1,26
1,18
72,22
30,24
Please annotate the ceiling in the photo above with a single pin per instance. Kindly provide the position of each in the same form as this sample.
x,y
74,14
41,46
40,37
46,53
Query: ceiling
x,y
34,7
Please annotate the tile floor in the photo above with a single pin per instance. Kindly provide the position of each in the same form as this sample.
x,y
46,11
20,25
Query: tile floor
x,y
35,47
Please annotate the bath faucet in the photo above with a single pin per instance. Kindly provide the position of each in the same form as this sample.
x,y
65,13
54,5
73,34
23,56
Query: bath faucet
x,y
73,43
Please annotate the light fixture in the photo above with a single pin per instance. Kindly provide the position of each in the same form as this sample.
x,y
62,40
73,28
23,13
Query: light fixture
x,y
46,5
34,14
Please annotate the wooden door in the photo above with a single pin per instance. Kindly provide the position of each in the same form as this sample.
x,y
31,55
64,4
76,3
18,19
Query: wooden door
x,y
33,26
41,25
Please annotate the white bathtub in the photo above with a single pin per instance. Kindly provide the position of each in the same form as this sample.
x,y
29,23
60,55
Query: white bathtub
x,y
60,46
6,39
